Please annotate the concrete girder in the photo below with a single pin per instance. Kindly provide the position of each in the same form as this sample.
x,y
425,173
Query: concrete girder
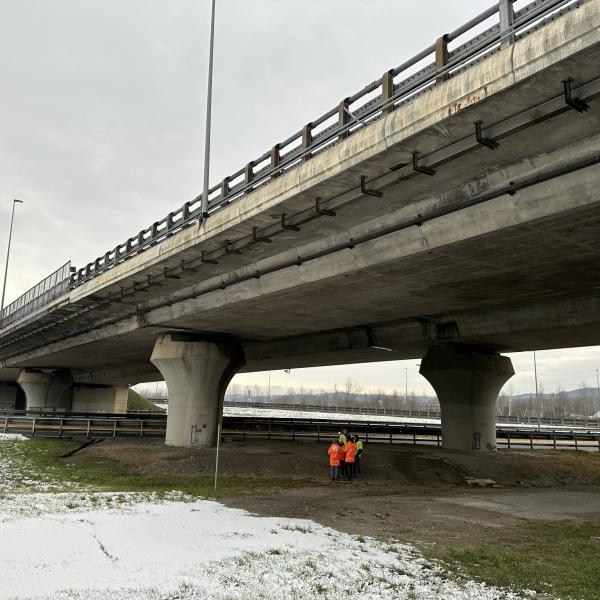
x,y
467,384
46,390
197,373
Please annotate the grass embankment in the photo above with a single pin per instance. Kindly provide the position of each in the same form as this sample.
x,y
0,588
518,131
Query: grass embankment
x,y
555,559
44,459
136,401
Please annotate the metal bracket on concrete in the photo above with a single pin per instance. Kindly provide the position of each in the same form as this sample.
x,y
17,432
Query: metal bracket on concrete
x,y
228,249
207,261
185,269
576,103
487,142
364,190
284,225
421,169
256,238
172,276
323,211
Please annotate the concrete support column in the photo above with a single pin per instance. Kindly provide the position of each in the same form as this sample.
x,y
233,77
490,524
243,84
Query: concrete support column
x,y
467,384
51,391
197,374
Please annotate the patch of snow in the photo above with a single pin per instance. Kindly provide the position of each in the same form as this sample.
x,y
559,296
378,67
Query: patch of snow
x,y
204,550
12,437
268,413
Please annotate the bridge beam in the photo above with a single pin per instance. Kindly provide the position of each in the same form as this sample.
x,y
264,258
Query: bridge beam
x,y
197,373
467,383
47,390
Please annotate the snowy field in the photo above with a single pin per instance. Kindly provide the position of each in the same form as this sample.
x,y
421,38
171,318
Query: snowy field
x,y
80,545
267,413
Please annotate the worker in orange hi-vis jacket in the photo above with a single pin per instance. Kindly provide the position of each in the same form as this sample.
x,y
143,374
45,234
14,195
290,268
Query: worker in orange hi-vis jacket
x,y
350,456
335,455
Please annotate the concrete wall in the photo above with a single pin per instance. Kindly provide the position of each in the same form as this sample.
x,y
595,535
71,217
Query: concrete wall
x,y
8,396
107,399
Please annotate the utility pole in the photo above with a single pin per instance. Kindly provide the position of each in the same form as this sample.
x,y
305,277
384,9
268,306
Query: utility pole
x,y
537,401
204,204
405,386
12,219
598,395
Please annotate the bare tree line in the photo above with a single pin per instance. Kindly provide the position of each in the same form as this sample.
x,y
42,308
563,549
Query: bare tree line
x,y
581,403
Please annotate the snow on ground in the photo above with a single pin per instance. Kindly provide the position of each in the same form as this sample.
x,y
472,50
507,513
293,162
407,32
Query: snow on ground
x,y
83,545
268,413
204,550
12,437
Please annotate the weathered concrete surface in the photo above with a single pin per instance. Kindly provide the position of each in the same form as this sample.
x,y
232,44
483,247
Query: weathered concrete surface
x,y
45,390
8,396
197,374
105,399
467,384
513,273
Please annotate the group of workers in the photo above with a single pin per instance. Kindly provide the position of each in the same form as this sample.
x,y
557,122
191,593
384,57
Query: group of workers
x,y
344,456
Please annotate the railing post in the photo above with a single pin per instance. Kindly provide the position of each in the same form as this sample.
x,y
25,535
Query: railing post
x,y
343,117
225,188
387,90
249,174
275,159
306,140
507,21
441,57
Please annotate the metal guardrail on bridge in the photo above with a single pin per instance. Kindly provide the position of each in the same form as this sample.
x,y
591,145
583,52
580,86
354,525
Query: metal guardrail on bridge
x,y
39,295
395,88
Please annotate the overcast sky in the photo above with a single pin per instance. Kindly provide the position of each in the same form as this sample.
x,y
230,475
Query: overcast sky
x,y
102,118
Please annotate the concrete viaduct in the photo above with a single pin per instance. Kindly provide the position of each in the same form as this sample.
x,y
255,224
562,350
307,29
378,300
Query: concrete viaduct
x,y
449,211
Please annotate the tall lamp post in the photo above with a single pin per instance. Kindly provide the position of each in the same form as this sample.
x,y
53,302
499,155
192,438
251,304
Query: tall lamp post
x,y
12,219
204,203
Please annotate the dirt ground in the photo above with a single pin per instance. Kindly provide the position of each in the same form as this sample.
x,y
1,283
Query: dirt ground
x,y
413,494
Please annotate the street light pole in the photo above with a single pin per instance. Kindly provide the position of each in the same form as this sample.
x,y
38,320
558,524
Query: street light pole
x,y
598,388
12,219
204,203
537,401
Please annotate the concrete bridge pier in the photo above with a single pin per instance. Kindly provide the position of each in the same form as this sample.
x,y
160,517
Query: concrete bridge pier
x,y
48,390
467,383
197,373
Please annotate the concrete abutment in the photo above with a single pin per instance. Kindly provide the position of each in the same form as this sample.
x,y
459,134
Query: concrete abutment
x,y
197,373
467,383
